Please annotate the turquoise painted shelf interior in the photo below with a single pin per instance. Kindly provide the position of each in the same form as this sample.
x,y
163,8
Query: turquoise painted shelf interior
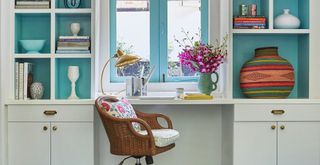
x,y
83,4
32,27
298,8
293,47
262,6
40,73
63,84
63,22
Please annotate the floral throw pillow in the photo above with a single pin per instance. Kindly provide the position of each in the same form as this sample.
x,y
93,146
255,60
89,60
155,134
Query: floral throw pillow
x,y
121,109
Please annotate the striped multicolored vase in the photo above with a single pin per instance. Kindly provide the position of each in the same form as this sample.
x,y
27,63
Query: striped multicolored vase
x,y
267,75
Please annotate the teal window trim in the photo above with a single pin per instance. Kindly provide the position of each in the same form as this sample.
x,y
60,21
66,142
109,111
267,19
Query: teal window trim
x,y
113,41
164,40
158,40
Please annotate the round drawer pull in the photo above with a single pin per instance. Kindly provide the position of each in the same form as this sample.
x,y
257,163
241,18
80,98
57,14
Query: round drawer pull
x,y
54,128
45,128
278,112
282,127
273,127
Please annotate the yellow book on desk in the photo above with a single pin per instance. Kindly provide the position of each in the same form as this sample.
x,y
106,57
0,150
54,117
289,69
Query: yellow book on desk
x,y
197,96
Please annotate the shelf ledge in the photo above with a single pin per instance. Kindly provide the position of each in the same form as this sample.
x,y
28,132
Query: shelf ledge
x,y
32,56
270,31
171,102
73,11
46,11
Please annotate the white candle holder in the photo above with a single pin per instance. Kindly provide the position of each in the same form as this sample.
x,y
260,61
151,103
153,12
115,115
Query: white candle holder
x,y
75,28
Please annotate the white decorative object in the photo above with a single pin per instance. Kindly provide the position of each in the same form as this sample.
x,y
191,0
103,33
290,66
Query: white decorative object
x,y
73,75
287,21
75,28
36,90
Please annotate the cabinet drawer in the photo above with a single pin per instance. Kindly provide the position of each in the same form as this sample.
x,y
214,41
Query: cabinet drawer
x,y
264,112
63,113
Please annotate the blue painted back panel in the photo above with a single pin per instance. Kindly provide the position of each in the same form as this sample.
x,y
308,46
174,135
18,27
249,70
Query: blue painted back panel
x,y
63,84
289,45
40,73
83,4
262,6
298,8
63,22
303,61
32,27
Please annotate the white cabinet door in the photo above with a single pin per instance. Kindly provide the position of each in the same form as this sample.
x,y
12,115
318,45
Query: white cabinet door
x,y
29,143
299,143
72,144
255,143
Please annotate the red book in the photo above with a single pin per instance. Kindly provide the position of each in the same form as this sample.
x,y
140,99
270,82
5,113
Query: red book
x,y
249,19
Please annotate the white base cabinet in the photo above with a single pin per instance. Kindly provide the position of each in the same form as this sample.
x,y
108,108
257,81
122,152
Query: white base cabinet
x,y
37,138
72,143
279,137
299,143
255,143
29,144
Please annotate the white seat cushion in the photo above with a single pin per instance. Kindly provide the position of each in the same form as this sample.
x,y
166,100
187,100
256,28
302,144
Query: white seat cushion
x,y
163,137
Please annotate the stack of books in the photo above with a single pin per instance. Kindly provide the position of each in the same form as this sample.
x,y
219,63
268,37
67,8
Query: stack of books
x,y
249,22
23,80
73,45
32,4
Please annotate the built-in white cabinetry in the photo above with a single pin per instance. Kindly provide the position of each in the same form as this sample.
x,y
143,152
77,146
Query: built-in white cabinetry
x,y
29,143
50,135
276,135
299,143
255,143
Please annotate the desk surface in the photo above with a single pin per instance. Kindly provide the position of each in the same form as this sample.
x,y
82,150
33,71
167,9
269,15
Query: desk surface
x,y
171,102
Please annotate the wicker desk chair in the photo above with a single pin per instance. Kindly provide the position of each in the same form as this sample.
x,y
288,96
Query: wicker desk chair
x,y
126,141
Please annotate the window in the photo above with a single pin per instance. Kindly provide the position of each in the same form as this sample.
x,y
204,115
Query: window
x,y
148,28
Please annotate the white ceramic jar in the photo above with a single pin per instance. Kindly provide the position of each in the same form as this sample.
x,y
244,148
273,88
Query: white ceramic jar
x,y
36,90
287,21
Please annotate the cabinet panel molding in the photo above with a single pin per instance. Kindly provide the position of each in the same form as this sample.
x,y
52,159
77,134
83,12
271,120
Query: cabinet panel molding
x,y
255,143
29,144
265,112
63,113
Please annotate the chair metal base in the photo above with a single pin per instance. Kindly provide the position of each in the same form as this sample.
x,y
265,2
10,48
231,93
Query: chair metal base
x,y
149,160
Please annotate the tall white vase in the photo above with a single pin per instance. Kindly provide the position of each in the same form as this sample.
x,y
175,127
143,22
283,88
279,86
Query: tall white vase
x,y
287,21
75,28
73,75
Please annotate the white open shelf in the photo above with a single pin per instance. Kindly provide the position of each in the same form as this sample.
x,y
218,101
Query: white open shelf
x,y
32,55
73,55
73,11
270,31
32,11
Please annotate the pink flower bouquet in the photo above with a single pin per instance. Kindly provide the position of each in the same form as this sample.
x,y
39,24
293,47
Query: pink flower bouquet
x,y
201,57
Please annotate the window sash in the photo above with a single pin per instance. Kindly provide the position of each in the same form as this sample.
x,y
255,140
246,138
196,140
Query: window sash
x,y
158,38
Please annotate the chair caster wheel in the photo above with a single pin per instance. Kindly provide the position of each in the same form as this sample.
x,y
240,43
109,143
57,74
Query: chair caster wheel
x,y
149,160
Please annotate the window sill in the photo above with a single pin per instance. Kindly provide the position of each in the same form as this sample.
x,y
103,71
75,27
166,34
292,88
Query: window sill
x,y
159,89
155,87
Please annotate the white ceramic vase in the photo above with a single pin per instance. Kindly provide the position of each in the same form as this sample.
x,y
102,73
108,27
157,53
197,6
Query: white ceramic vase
x,y
36,90
75,28
73,75
287,21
